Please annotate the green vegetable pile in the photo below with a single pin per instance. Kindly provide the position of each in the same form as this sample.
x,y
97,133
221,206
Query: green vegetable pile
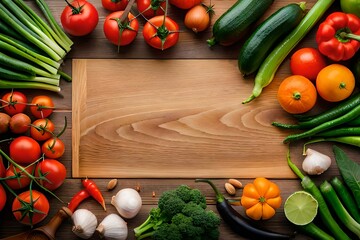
x,y
181,214
336,200
32,49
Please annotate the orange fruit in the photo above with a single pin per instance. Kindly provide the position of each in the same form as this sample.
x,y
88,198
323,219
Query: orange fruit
x,y
297,94
335,83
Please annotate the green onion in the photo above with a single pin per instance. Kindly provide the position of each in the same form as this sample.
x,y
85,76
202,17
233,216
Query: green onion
x,y
11,20
19,65
44,26
9,74
5,84
53,23
15,51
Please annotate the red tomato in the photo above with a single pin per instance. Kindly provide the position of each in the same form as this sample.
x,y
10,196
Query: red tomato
x,y
52,173
2,197
114,5
53,148
151,8
42,129
161,35
19,123
14,102
185,4
42,106
120,34
30,207
307,62
21,179
79,19
24,150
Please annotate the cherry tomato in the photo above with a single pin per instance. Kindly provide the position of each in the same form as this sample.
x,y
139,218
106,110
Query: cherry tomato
x,y
151,8
52,173
161,33
34,211
22,180
42,129
42,106
14,102
2,197
79,18
53,148
120,34
114,5
307,62
4,122
19,123
185,4
24,150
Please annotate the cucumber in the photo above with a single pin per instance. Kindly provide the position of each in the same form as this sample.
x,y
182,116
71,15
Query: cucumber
x,y
232,25
267,34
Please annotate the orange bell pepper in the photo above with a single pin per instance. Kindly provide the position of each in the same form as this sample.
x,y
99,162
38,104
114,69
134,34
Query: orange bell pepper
x,y
261,198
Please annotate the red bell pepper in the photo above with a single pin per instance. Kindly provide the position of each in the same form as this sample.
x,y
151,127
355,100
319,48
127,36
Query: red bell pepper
x,y
338,36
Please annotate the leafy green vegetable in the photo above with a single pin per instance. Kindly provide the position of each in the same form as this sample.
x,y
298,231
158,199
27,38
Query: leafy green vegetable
x,y
350,171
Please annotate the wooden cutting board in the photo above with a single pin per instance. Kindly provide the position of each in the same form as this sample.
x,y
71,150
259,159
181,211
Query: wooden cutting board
x,y
174,119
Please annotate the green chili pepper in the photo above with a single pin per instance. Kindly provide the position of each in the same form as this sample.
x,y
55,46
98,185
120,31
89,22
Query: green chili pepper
x,y
340,132
346,198
323,209
355,112
333,200
350,140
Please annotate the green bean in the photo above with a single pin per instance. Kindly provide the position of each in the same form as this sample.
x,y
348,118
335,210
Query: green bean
x,y
346,198
270,65
323,210
350,115
330,114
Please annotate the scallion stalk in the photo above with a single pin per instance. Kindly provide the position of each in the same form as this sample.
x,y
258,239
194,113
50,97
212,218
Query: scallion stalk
x,y
53,23
5,84
44,26
26,33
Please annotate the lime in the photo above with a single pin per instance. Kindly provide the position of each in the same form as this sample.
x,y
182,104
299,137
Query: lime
x,y
300,208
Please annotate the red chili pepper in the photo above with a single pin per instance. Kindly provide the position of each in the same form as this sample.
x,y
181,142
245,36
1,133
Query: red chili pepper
x,y
338,36
94,191
77,199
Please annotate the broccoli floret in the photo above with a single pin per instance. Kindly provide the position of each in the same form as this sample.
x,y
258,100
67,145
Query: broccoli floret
x,y
188,194
181,214
167,232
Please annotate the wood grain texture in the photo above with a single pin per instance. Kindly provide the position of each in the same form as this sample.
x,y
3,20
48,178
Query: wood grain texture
x,y
172,118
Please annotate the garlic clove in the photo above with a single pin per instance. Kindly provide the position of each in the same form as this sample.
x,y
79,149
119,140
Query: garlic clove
x,y
113,227
315,163
127,202
84,223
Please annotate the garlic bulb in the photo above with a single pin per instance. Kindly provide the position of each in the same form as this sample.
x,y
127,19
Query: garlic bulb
x,y
85,223
315,163
113,227
127,202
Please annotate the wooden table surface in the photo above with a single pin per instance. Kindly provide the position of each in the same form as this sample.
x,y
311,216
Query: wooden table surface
x,y
190,46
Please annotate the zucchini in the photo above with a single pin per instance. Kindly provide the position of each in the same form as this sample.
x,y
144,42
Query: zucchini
x,y
232,25
267,34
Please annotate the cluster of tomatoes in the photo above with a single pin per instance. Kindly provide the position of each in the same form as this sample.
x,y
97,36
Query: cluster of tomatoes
x,y
31,159
80,18
313,76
